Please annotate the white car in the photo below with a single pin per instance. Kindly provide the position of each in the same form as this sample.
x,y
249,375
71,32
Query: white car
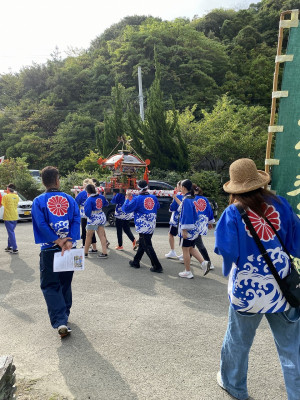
x,y
24,208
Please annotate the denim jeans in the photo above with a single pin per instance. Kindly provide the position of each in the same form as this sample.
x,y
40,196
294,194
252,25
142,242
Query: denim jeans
x,y
56,288
237,343
10,227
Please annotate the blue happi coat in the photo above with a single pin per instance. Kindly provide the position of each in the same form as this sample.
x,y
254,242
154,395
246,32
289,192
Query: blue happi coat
x,y
93,209
145,208
188,219
55,215
119,200
205,213
80,200
251,286
174,208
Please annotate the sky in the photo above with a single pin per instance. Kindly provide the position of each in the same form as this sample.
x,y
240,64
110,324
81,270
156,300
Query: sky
x,y
30,30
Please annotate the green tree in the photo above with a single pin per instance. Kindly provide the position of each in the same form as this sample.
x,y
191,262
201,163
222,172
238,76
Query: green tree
x,y
16,171
89,162
228,133
73,141
160,134
115,124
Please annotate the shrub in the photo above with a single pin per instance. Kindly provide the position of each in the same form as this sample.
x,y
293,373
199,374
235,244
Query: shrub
x,y
209,181
16,171
76,178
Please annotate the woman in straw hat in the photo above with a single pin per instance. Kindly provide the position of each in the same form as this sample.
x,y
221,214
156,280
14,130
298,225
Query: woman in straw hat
x,y
253,291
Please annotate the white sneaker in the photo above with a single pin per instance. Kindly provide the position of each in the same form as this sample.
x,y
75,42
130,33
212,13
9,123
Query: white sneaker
x,y
171,254
206,267
180,258
186,274
212,266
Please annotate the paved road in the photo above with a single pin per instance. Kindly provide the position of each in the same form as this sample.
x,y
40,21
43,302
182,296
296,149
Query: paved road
x,y
136,335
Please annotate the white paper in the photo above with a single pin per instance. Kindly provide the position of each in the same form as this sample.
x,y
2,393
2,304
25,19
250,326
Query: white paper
x,y
72,260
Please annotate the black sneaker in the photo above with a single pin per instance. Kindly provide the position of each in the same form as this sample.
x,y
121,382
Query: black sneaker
x,y
86,255
107,243
93,251
133,264
8,249
14,251
102,255
152,269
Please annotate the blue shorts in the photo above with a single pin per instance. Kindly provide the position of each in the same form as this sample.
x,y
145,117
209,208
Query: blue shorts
x,y
92,227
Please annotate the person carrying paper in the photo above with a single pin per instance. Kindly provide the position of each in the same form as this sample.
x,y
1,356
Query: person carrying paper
x,y
56,227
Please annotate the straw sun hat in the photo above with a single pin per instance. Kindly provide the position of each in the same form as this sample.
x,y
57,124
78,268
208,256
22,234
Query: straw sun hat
x,y
245,177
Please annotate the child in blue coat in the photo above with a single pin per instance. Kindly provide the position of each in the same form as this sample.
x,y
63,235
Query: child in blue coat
x,y
189,229
206,217
96,219
80,200
122,219
145,208
174,221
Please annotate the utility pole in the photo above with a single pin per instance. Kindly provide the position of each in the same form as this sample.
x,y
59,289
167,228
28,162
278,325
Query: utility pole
x,y
141,98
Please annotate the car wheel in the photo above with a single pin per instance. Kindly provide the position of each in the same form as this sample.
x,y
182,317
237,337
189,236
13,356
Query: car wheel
x,y
111,218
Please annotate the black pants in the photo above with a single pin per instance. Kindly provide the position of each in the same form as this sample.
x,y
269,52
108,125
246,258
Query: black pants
x,y
123,225
83,232
145,245
200,245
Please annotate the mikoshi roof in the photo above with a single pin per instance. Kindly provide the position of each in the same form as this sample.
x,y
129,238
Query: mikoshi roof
x,y
128,159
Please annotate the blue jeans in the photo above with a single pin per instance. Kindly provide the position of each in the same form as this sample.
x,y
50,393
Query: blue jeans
x,y
56,288
237,343
10,227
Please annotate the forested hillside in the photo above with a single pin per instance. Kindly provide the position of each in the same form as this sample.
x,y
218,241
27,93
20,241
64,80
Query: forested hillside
x,y
207,85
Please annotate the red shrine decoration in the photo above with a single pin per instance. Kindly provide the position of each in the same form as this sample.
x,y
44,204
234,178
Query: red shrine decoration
x,y
124,166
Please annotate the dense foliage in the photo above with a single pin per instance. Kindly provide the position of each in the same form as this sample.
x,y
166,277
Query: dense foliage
x,y
207,85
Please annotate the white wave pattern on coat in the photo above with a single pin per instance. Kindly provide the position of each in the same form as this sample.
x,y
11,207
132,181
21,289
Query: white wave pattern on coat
x,y
254,289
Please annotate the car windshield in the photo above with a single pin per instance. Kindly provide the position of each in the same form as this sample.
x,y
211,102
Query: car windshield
x,y
35,173
22,197
19,194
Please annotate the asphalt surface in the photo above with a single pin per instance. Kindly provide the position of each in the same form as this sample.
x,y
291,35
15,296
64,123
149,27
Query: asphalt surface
x,y
135,334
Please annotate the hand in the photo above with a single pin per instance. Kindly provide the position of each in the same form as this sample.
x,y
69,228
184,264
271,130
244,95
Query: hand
x,y
67,246
184,234
210,226
64,244
128,194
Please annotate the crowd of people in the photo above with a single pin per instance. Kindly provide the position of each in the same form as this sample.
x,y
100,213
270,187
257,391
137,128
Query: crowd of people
x,y
57,217
191,217
252,289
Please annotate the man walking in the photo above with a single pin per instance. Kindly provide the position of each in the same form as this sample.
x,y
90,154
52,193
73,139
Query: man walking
x,y
145,208
10,203
56,226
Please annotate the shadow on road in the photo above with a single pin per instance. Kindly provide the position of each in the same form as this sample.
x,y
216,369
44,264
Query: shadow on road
x,y
117,267
87,374
20,271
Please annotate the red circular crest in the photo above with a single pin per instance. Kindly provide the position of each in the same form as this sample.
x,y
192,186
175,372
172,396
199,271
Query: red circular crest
x,y
99,204
262,228
58,205
149,203
200,205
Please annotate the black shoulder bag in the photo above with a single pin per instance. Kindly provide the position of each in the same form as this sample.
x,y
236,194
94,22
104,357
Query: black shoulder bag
x,y
290,285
